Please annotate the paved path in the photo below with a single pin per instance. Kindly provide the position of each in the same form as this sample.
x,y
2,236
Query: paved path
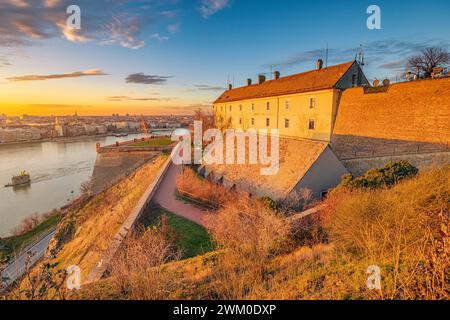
x,y
166,198
15,269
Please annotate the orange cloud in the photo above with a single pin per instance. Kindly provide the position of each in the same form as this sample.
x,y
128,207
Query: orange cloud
x,y
78,74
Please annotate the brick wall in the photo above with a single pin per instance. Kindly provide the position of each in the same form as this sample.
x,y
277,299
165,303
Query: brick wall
x,y
408,118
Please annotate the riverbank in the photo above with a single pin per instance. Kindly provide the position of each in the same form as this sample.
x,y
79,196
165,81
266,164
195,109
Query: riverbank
x,y
61,139
81,138
15,244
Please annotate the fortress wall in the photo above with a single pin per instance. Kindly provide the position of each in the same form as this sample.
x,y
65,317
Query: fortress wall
x,y
409,117
110,167
358,167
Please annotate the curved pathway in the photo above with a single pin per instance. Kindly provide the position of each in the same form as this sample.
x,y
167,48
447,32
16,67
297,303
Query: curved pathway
x,y
166,197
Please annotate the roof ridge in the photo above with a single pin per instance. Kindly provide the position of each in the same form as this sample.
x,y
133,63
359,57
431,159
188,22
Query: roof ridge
x,y
319,80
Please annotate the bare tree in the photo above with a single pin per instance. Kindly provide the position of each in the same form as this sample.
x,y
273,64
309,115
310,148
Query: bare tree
x,y
206,117
428,59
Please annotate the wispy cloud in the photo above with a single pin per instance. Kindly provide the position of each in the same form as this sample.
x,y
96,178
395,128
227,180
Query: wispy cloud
x,y
126,98
211,7
78,74
118,22
174,28
142,78
205,87
390,54
158,37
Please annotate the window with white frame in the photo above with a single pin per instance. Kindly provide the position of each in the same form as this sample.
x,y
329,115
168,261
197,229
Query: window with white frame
x,y
286,123
268,122
253,121
312,125
312,103
286,104
268,106
253,107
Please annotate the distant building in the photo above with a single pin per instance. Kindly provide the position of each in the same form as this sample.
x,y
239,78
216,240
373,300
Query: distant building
x,y
59,129
8,135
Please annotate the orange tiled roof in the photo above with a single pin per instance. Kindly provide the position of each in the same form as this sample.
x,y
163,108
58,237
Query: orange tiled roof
x,y
314,80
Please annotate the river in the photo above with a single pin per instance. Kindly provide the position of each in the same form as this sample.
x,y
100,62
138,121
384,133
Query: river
x,y
57,171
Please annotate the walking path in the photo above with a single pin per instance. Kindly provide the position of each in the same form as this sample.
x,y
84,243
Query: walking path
x,y
166,198
26,259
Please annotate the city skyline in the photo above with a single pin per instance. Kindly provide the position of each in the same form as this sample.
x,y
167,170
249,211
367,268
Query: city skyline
x,y
171,57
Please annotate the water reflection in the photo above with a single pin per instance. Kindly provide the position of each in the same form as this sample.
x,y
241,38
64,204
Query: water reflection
x,y
57,171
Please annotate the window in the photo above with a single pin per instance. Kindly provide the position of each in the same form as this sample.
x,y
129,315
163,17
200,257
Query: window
x,y
286,123
240,120
240,107
286,104
221,108
312,125
312,103
268,106
253,121
354,80
253,107
230,108
268,122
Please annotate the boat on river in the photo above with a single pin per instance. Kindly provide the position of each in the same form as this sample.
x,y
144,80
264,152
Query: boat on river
x,y
22,179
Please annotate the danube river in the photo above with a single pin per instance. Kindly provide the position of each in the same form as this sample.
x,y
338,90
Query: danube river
x,y
57,171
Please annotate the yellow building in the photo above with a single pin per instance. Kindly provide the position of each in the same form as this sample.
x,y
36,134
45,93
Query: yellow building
x,y
303,105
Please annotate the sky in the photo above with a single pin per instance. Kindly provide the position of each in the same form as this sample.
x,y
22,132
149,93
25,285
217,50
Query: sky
x,y
174,56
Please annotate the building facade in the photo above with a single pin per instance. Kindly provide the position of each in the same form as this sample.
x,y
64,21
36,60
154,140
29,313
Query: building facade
x,y
300,106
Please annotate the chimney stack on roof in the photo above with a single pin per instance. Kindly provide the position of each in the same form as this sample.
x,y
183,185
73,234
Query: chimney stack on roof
x,y
319,64
261,79
230,86
249,82
277,75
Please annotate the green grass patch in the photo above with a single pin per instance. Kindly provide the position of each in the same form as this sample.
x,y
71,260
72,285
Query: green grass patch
x,y
193,239
15,244
160,142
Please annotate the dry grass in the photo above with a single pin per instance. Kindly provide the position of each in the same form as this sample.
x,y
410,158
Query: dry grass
x,y
84,235
250,234
138,270
189,182
403,230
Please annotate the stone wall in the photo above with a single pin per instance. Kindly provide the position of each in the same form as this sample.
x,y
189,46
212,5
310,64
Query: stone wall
x,y
410,117
110,167
424,161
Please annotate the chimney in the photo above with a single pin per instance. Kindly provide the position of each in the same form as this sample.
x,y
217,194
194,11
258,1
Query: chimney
x,y
277,75
261,79
376,83
319,64
249,82
230,86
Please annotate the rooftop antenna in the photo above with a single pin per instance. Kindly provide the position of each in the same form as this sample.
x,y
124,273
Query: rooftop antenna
x,y
326,57
361,56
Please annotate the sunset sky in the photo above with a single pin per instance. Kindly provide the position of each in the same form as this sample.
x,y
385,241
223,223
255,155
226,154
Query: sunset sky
x,y
173,56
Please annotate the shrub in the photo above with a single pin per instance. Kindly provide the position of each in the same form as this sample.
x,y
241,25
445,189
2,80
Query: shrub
x,y
403,230
189,182
250,234
387,176
138,271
